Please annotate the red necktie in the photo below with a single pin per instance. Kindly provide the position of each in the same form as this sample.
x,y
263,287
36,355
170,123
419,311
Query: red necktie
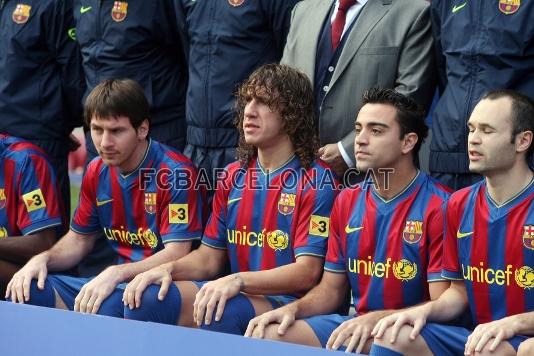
x,y
339,21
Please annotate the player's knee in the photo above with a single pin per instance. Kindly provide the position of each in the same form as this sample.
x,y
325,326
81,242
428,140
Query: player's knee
x,y
45,297
526,348
166,311
237,313
271,333
504,349
402,344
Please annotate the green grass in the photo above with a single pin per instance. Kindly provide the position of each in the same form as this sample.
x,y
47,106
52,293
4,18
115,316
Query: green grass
x,y
74,195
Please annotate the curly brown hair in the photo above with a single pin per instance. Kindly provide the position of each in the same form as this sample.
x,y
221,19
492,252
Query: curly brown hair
x,y
289,93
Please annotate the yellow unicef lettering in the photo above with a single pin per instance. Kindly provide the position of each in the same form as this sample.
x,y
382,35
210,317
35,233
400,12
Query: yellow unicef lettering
x,y
379,270
109,234
230,236
134,238
499,277
117,234
487,278
388,265
352,265
254,242
261,238
508,274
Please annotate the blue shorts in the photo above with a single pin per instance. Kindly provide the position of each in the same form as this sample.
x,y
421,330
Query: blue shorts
x,y
450,340
68,288
324,325
276,301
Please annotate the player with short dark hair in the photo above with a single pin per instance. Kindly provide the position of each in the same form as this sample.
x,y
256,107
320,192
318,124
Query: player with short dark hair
x,y
385,236
270,218
30,208
488,245
147,221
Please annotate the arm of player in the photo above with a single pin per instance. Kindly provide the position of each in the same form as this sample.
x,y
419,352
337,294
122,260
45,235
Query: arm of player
x,y
19,249
356,333
499,330
99,288
447,307
281,280
201,264
324,298
65,254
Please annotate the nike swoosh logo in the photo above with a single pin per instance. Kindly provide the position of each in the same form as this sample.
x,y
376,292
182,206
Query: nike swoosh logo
x,y
103,202
232,201
461,235
349,229
458,7
83,9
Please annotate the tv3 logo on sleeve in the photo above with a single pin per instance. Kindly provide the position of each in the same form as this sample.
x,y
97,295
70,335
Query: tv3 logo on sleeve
x,y
34,200
178,213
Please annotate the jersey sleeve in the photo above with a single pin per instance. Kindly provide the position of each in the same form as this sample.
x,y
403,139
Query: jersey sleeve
x,y
435,231
85,219
313,224
215,232
335,257
182,207
451,268
39,198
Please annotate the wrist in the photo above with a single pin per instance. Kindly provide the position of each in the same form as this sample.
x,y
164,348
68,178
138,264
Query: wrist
x,y
239,280
117,273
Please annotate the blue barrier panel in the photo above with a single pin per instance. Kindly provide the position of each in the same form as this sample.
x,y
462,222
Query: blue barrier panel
x,y
28,330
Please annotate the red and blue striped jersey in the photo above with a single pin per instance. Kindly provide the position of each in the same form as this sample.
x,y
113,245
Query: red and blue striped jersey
x,y
140,212
267,220
29,195
390,250
491,248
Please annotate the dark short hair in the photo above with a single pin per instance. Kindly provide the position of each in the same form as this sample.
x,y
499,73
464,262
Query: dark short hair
x,y
410,116
117,97
288,92
522,113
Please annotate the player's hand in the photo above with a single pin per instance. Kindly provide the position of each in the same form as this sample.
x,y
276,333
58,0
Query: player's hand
x,y
158,275
18,289
332,156
497,330
215,294
285,316
96,291
354,332
415,317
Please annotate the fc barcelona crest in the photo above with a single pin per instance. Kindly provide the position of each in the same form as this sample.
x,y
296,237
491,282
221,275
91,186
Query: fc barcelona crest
x,y
509,7
413,231
2,198
150,203
286,204
528,236
119,11
21,14
236,2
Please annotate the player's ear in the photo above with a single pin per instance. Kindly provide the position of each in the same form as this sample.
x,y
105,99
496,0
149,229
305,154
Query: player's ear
x,y
409,142
142,130
524,141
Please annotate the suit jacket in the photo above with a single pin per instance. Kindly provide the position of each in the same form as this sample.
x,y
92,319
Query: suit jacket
x,y
389,46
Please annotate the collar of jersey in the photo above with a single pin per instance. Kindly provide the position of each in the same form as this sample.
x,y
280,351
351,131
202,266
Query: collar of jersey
x,y
401,193
275,171
140,163
512,199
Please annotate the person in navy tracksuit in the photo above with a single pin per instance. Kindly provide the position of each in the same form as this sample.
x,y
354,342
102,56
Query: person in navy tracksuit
x,y
228,40
480,45
41,79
